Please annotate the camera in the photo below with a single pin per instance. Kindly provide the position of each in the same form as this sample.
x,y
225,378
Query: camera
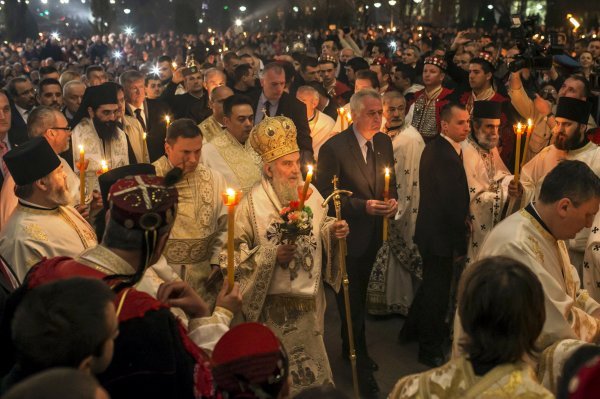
x,y
532,55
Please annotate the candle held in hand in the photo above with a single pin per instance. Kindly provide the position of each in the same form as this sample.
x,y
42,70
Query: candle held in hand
x,y
307,181
81,175
230,198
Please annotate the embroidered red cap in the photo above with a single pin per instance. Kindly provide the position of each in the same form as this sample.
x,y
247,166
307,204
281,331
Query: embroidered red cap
x,y
437,61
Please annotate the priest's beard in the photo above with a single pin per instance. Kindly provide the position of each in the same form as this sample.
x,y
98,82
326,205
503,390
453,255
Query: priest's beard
x,y
487,142
284,190
565,143
59,194
106,130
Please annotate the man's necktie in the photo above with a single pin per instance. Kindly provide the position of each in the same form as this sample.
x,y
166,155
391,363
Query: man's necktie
x,y
138,116
267,109
371,161
3,151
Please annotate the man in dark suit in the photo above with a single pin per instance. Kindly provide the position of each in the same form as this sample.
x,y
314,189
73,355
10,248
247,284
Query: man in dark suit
x,y
22,96
273,101
194,103
358,156
441,232
150,113
6,142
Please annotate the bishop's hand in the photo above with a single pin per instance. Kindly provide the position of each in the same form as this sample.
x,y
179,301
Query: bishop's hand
x,y
340,229
285,253
515,190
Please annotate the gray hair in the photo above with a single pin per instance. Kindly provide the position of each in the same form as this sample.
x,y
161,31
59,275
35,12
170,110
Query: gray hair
x,y
308,89
392,95
128,77
212,71
357,103
40,120
70,84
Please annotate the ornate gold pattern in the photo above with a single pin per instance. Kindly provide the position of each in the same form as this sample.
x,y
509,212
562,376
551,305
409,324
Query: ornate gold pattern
x,y
240,159
274,138
34,231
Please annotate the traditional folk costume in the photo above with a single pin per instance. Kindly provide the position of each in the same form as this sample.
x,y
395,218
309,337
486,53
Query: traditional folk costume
x,y
34,232
288,299
424,111
177,367
394,280
200,227
524,237
210,129
488,180
338,91
534,171
456,379
239,164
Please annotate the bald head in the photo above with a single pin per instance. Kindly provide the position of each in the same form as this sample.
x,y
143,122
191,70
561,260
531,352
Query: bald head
x,y
214,77
73,95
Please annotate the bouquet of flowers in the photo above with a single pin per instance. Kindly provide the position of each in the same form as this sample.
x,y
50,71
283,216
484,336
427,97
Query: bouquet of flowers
x,y
296,221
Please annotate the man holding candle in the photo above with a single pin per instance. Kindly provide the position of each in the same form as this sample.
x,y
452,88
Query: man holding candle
x,y
487,176
391,287
441,234
358,156
230,153
44,224
281,278
571,143
200,227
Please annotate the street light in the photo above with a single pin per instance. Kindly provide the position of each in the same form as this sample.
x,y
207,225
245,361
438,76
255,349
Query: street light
x,y
242,8
128,29
490,6
126,11
376,5
238,22
392,2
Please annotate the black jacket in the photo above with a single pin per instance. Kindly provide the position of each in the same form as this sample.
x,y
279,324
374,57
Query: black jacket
x,y
341,156
441,228
156,126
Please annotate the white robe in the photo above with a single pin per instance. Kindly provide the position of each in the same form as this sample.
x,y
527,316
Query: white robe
x,y
394,279
239,164
33,233
488,179
116,153
321,130
534,172
568,308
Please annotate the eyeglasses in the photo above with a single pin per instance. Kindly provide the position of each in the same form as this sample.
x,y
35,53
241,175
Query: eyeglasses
x,y
67,128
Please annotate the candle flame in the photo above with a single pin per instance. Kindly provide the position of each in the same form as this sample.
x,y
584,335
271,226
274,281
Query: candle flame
x,y
387,171
310,168
529,122
80,149
174,64
167,118
230,192
104,166
144,135
341,110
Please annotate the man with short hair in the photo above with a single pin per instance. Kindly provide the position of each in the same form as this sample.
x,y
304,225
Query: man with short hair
x,y
272,100
95,75
153,87
351,156
443,201
194,103
411,55
68,76
309,70
536,235
282,275
230,152
353,66
49,72
213,78
165,69
22,94
72,96
424,112
320,124
44,224
200,228
365,79
393,290
53,327
594,47
570,143
50,93
403,79
244,80
212,127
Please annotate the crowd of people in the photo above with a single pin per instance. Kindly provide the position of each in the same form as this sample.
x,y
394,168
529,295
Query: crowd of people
x,y
166,228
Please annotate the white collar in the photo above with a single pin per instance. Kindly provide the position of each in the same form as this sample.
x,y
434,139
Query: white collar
x,y
454,144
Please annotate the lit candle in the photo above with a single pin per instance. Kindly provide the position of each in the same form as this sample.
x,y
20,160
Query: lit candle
x,y
81,175
386,196
103,166
145,148
174,65
341,114
167,120
349,118
530,127
231,198
305,188
518,131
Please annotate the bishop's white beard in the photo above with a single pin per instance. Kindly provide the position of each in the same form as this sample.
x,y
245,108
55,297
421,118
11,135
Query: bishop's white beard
x,y
284,190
